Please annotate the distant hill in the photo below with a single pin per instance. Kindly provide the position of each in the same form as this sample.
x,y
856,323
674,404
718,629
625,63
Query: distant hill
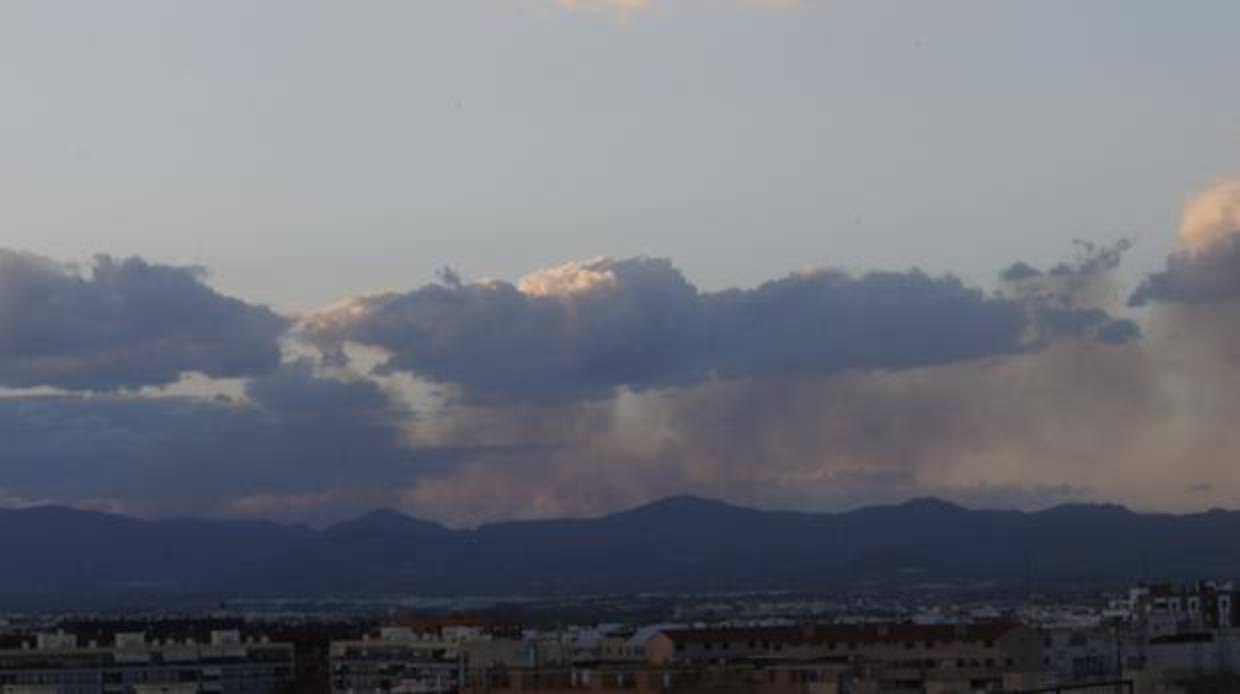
x,y
53,551
677,544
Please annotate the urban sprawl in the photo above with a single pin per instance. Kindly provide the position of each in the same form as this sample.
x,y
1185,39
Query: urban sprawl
x,y
1153,638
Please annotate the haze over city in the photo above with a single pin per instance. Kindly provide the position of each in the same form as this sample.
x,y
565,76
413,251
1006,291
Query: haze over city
x,y
485,260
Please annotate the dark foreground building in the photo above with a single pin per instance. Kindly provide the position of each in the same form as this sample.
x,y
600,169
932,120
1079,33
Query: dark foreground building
x,y
131,664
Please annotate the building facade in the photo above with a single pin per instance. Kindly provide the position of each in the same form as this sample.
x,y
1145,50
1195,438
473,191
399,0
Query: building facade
x,y
132,664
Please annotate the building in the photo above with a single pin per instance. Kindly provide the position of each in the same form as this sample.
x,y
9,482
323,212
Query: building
x,y
132,664
639,678
1082,655
1181,636
396,659
809,659
1165,608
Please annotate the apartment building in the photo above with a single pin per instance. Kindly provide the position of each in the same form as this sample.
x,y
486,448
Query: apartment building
x,y
811,659
396,659
991,644
131,663
1082,654
1166,608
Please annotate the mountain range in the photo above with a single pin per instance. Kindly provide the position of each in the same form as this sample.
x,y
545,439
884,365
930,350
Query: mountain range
x,y
677,544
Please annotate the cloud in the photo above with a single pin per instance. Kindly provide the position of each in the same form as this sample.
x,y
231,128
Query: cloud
x,y
568,279
592,386
583,330
1206,267
819,390
300,445
1208,275
1211,216
826,322
124,324
1066,301
580,331
1018,272
1077,421
295,433
14,501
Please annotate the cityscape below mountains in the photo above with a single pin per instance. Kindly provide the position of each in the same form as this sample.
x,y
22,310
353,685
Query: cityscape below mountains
x,y
676,544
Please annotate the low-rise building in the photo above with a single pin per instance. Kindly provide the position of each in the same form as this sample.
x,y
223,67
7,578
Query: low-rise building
x,y
1082,655
133,664
810,659
396,659
1169,608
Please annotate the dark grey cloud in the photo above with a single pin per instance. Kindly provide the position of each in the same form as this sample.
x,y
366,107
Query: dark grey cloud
x,y
124,324
594,386
1091,323
1019,271
1208,275
295,437
825,322
582,331
1066,302
636,327
1072,283
1093,258
1034,397
1118,331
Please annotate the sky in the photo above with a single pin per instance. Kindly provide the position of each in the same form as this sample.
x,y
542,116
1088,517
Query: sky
x,y
489,259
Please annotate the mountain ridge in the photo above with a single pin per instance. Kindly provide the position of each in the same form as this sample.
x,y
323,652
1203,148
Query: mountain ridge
x,y
675,500
680,543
